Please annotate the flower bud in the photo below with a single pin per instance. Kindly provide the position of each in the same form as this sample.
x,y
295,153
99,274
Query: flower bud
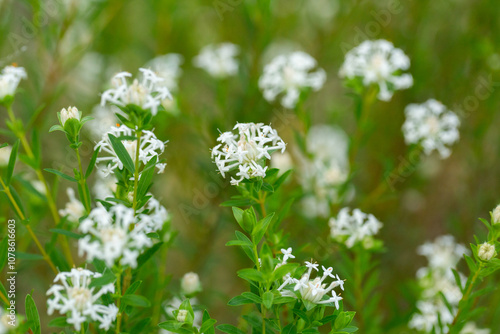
x,y
495,215
486,251
190,283
5,155
182,315
72,112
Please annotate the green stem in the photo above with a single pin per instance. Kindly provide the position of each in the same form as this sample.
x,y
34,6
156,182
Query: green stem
x,y
358,288
136,170
118,302
83,183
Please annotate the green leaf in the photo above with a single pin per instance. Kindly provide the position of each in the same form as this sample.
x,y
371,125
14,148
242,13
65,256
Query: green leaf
x,y
133,287
32,315
251,275
252,296
207,326
146,177
91,165
239,243
35,139
144,257
107,278
28,256
136,300
289,329
139,327
56,127
282,179
3,252
237,202
239,300
58,322
12,162
61,174
247,249
66,233
261,228
267,299
122,153
281,271
249,220
267,187
470,263
230,329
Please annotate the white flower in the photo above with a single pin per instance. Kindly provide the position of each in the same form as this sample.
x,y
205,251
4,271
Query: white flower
x,y
351,229
432,125
471,328
74,208
174,304
495,215
380,63
146,94
181,316
190,283
153,217
5,155
103,119
73,295
430,313
9,80
71,112
282,161
113,235
486,251
6,321
290,74
287,254
218,60
149,147
248,151
167,67
443,253
104,186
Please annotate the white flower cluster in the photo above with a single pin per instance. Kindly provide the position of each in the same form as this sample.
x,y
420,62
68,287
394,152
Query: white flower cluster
x,y
218,60
443,255
310,289
71,294
167,67
154,216
247,151
146,94
323,170
380,63
432,125
74,208
115,235
9,80
149,147
290,74
357,227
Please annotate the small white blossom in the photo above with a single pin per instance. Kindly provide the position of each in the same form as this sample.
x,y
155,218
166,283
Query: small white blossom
x,y
429,316
71,294
114,235
9,80
147,93
431,125
153,217
167,67
149,147
218,60
71,112
351,229
190,283
486,251
5,155
443,253
181,316
248,151
290,74
380,63
287,254
74,208
495,215
471,328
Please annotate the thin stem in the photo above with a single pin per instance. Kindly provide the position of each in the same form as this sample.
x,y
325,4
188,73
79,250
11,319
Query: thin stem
x,y
358,290
466,296
30,231
118,302
83,183
136,171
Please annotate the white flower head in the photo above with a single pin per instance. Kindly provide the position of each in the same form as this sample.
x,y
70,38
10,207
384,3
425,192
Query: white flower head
x,y
147,93
153,217
70,113
114,235
190,283
495,214
74,208
290,74
353,228
431,313
431,125
167,67
10,78
219,60
5,155
149,147
378,63
486,251
71,295
246,151
443,253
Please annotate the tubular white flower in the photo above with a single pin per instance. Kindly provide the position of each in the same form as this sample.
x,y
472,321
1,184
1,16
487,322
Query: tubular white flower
x,y
351,229
71,294
432,125
248,151
290,74
149,147
148,93
71,112
74,209
218,60
10,78
114,235
378,62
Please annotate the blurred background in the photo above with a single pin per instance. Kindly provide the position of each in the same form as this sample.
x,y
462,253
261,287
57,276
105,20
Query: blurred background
x,y
72,48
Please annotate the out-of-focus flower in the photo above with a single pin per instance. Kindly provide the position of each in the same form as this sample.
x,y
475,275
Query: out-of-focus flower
x,y
444,252
112,236
290,74
9,80
219,60
248,151
190,283
282,161
495,215
104,186
149,147
430,313
486,251
71,294
354,228
153,217
378,63
5,155
103,119
167,67
74,209
431,125
147,93
471,328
